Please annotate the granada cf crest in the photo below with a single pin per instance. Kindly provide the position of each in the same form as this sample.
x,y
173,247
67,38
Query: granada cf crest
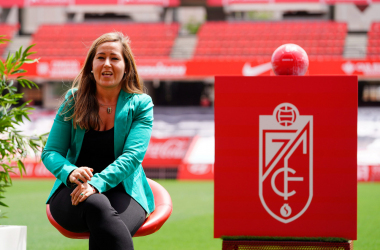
x,y
286,162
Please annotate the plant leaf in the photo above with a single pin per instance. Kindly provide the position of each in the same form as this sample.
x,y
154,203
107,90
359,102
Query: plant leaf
x,y
26,50
31,60
9,63
21,167
18,71
31,53
18,65
2,67
3,204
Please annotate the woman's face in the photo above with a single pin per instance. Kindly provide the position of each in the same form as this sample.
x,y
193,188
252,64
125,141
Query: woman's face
x,y
108,65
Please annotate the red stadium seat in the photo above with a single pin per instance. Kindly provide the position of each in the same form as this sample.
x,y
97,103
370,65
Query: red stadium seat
x,y
9,31
152,224
154,36
373,45
263,38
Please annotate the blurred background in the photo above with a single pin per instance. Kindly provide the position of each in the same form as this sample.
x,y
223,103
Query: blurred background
x,y
179,46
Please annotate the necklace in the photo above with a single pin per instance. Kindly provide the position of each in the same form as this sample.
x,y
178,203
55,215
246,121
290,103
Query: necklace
x,y
109,109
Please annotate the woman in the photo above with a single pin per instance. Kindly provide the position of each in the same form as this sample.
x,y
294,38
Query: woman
x,y
96,146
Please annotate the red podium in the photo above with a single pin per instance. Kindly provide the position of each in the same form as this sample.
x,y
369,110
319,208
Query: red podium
x,y
285,162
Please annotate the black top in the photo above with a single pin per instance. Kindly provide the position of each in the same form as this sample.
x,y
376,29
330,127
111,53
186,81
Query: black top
x,y
97,151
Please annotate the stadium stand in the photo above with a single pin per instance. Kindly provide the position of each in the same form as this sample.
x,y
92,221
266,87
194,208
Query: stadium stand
x,y
373,48
153,40
9,31
241,40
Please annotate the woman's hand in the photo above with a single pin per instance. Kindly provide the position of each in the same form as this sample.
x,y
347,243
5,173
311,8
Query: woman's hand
x,y
81,193
83,173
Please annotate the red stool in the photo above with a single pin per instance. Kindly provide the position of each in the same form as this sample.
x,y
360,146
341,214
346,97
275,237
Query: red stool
x,y
152,224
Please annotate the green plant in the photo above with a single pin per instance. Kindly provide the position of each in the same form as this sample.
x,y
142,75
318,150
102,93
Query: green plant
x,y
14,146
193,27
260,15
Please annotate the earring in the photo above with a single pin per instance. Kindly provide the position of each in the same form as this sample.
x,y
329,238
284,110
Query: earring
x,y
92,72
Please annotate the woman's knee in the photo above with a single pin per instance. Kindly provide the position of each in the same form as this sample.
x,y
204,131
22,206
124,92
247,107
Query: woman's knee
x,y
97,203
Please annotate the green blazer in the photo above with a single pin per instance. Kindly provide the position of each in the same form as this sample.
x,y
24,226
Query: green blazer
x,y
133,127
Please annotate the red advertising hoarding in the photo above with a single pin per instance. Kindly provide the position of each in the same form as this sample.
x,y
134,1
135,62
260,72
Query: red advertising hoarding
x,y
166,152
34,169
161,153
368,173
68,68
11,3
198,169
286,155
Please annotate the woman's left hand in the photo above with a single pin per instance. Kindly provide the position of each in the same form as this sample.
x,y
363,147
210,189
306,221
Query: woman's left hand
x,y
81,193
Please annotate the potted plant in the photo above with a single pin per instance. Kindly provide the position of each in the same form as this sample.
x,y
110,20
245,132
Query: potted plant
x,y
14,146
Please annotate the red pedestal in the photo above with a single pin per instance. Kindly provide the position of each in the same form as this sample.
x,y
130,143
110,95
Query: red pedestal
x,y
286,156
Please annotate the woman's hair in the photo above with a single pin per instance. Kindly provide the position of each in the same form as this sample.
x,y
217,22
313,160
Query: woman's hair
x,y
83,101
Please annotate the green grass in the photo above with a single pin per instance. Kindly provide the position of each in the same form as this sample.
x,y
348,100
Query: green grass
x,y
189,227
368,216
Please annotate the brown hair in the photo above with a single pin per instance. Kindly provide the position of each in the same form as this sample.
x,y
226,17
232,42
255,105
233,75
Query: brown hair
x,y
83,101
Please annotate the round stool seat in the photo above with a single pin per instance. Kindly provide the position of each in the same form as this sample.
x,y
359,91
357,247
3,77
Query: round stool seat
x,y
162,212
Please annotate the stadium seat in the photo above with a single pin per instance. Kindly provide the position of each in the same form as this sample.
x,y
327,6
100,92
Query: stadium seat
x,y
8,31
157,37
373,45
153,223
251,40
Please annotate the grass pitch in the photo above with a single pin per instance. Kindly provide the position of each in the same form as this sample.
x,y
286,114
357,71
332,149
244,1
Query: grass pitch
x,y
189,227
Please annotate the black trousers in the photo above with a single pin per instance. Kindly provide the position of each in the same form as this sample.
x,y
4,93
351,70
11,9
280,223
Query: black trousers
x,y
112,217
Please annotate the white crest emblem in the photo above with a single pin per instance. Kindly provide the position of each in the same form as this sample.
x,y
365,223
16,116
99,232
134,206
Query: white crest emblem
x,y
286,162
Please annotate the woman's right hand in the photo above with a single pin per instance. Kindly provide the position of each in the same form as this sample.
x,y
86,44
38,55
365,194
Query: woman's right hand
x,y
82,173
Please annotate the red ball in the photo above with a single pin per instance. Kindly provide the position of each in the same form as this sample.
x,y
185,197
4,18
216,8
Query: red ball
x,y
290,59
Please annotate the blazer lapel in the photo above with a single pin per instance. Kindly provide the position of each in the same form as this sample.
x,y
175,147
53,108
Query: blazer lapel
x,y
121,122
78,135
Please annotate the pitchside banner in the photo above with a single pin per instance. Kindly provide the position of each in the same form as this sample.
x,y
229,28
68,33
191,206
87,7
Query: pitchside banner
x,y
285,156
68,68
161,153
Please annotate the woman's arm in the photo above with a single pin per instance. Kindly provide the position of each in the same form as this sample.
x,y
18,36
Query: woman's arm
x,y
57,146
134,148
